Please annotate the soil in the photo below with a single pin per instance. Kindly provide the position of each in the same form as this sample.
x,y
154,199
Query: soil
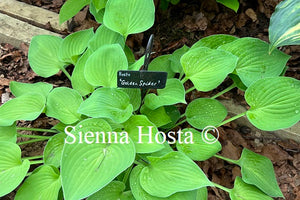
x,y
181,24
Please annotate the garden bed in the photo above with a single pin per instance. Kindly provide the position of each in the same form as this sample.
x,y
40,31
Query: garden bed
x,y
183,24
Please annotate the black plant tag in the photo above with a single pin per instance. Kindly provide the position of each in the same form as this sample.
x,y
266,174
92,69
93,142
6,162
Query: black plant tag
x,y
142,79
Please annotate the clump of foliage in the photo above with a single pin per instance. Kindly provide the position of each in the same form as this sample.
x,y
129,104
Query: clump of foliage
x,y
131,170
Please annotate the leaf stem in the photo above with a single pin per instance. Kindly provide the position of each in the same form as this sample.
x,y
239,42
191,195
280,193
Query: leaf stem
x,y
190,89
36,162
232,118
184,80
30,141
66,72
126,175
226,159
221,187
33,157
224,91
34,136
181,122
36,129
182,116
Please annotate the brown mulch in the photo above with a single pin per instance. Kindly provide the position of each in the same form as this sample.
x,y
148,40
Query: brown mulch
x,y
182,24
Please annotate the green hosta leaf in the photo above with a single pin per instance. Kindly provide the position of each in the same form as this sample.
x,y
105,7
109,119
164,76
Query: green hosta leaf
x,y
173,93
204,112
78,80
98,14
43,55
202,194
175,59
172,173
207,68
143,134
244,191
128,17
105,36
109,103
214,41
62,104
102,66
284,26
274,103
113,191
135,97
202,149
232,4
258,170
174,115
136,65
25,107
8,133
71,8
255,62
12,169
18,88
53,149
87,168
158,116
74,45
163,64
139,193
43,183
99,4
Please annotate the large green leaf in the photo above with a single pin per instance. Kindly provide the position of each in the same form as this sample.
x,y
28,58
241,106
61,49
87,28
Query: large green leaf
x,y
173,93
214,41
204,112
53,149
258,170
74,45
43,183
105,36
78,80
71,8
102,66
174,114
128,17
232,4
284,26
144,134
207,68
88,166
8,133
109,103
25,107
274,103
12,169
163,64
200,149
140,194
43,55
99,4
18,88
244,191
113,191
63,103
255,62
174,172
158,116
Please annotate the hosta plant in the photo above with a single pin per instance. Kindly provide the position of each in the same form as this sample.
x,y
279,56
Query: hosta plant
x,y
114,143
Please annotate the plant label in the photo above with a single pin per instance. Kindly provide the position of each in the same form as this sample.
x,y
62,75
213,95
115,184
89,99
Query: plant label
x,y
142,79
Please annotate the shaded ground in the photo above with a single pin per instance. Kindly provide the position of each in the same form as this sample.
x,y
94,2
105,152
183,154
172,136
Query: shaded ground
x,y
182,24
